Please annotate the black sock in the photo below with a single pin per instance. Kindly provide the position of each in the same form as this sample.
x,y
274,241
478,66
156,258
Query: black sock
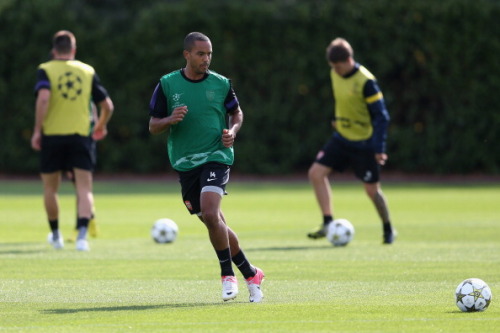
x,y
387,228
243,265
54,225
82,224
327,219
226,267
91,217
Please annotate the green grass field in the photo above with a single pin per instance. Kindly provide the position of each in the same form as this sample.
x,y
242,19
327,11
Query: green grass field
x,y
447,233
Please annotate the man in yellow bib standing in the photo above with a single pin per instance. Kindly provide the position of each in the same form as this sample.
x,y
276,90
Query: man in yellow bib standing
x,y
63,131
361,121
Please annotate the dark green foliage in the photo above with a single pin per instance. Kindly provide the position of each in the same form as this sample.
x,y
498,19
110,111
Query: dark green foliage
x,y
436,62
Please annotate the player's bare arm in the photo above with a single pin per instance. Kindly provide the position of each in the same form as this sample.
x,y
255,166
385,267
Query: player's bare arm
x,y
160,125
41,108
106,110
235,122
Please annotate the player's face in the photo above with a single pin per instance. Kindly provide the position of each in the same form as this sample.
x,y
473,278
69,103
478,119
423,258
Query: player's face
x,y
199,57
342,68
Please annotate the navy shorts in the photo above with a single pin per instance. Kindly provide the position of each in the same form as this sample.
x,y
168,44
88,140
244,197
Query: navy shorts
x,y
340,154
210,177
65,152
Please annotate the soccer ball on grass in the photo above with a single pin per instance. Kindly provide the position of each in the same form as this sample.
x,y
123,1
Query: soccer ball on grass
x,y
164,231
473,295
340,232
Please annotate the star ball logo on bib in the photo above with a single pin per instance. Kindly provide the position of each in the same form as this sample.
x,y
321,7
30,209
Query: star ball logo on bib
x,y
70,86
177,98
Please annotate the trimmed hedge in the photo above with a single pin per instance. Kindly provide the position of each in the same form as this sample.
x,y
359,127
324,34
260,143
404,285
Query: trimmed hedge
x,y
436,62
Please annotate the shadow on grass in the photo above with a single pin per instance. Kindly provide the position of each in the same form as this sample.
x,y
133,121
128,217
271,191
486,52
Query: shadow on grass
x,y
127,308
20,248
288,248
18,252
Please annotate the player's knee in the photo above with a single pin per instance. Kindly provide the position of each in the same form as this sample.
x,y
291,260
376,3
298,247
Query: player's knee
x,y
315,173
372,191
210,218
312,174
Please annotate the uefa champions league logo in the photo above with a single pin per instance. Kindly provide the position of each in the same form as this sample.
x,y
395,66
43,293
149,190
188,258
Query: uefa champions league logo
x,y
70,86
177,98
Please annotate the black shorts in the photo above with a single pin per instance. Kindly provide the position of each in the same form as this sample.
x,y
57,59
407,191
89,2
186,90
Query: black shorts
x,y
65,152
210,177
339,154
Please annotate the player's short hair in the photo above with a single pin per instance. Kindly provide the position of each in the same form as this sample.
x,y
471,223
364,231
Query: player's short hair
x,y
192,37
339,50
64,42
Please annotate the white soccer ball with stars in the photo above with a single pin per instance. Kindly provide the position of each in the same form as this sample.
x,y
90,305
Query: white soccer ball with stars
x,y
164,231
473,295
340,232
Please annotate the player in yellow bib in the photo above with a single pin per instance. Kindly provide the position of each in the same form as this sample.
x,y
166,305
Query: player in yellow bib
x,y
361,121
65,90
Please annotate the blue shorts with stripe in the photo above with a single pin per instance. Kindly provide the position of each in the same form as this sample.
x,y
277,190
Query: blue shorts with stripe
x,y
339,154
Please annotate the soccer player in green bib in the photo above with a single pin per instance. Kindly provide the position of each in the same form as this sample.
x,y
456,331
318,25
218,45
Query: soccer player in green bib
x,y
192,105
359,142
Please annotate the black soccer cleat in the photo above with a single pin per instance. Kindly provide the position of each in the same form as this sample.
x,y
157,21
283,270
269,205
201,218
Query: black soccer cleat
x,y
390,237
317,233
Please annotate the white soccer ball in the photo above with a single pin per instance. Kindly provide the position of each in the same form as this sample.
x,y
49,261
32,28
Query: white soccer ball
x,y
340,232
473,295
164,231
